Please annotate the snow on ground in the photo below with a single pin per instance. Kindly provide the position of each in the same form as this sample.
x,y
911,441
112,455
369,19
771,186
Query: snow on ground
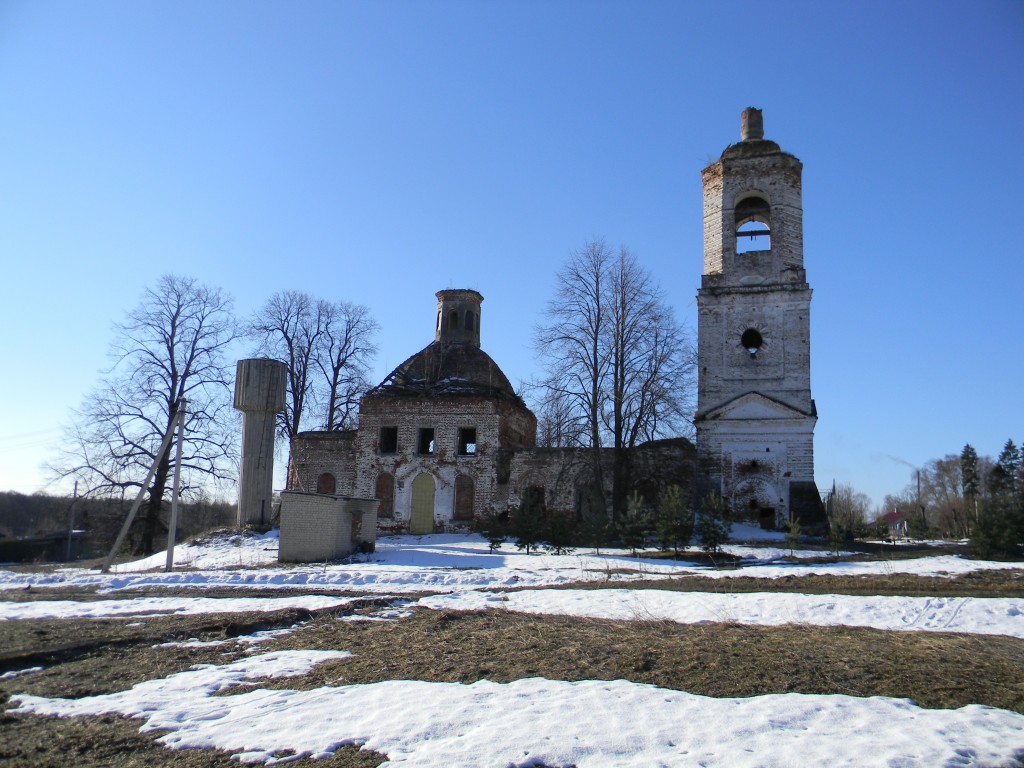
x,y
156,606
970,615
253,640
533,721
453,562
589,724
235,550
19,672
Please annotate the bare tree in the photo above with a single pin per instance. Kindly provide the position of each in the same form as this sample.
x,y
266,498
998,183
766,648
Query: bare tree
x,y
343,356
620,368
288,328
171,346
327,348
650,369
942,496
572,342
557,425
848,510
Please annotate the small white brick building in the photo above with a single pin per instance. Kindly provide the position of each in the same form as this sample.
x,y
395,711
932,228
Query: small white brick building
x,y
755,415
318,527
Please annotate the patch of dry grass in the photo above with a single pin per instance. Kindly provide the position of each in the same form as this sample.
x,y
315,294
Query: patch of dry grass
x,y
934,669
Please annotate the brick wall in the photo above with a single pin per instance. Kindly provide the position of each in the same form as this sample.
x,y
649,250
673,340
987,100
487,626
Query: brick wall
x,y
314,453
357,461
500,476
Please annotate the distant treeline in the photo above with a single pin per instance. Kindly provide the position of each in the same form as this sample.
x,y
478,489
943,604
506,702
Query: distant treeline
x,y
30,524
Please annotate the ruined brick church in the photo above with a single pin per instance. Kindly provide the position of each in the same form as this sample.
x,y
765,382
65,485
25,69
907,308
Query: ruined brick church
x,y
445,440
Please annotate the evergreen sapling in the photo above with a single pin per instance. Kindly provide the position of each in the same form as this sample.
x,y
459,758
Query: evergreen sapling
x,y
633,526
712,527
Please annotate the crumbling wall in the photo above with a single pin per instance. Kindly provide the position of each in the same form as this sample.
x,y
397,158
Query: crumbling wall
x,y
316,453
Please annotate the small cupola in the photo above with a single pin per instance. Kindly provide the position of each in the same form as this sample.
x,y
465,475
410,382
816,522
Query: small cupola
x,y
458,316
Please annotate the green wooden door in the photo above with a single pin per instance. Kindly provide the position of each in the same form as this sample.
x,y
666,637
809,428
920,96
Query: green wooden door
x,y
421,518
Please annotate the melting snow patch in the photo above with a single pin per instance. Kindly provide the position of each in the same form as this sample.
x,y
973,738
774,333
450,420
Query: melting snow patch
x,y
19,672
539,721
251,640
155,606
970,615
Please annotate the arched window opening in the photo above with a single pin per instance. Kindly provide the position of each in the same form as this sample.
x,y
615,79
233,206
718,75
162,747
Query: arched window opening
x,y
326,483
753,236
463,497
385,494
453,319
753,225
470,320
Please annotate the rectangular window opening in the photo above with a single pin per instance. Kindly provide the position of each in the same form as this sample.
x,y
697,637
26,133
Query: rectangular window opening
x,y
467,441
425,443
389,439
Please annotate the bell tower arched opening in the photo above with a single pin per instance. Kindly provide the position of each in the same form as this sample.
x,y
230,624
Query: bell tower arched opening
x,y
753,219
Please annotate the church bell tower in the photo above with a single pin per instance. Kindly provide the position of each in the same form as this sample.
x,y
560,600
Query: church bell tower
x,y
755,416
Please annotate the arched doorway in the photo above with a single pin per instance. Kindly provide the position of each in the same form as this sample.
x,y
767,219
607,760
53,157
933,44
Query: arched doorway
x,y
385,494
421,515
464,498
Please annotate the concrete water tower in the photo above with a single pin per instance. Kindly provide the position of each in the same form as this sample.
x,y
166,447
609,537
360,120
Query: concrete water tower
x,y
259,395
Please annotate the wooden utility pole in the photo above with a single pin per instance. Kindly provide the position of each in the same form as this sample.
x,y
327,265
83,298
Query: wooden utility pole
x,y
172,529
178,413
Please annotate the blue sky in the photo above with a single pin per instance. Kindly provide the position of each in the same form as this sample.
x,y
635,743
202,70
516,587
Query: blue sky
x,y
379,151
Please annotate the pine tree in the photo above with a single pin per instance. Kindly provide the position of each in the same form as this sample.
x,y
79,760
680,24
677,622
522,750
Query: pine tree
x,y
793,534
970,482
673,523
528,521
634,525
494,528
594,530
837,536
1000,527
559,534
712,527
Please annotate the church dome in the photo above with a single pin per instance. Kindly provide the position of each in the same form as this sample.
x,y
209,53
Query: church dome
x,y
454,364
